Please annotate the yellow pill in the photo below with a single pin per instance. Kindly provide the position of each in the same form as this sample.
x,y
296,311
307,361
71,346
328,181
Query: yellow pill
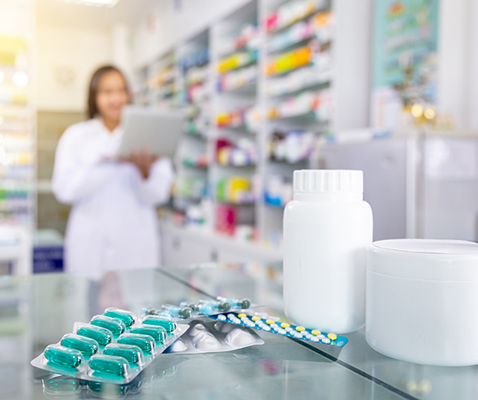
x,y
242,315
284,325
300,329
256,318
316,332
270,322
332,336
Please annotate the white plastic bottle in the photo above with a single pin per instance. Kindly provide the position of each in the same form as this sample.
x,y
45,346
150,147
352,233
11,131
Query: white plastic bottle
x,y
327,227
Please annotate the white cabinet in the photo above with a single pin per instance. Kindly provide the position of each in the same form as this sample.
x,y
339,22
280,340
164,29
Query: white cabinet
x,y
178,248
182,246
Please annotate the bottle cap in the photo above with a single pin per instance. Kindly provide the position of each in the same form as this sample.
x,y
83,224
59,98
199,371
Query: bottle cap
x,y
328,181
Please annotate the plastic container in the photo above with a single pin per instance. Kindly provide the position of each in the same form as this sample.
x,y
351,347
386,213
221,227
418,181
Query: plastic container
x,y
422,297
327,228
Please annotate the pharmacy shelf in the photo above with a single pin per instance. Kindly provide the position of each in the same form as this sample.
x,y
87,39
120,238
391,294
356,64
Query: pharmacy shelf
x,y
287,141
17,116
194,77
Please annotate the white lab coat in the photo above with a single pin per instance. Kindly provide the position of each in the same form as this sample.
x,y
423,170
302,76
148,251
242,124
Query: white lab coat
x,y
113,222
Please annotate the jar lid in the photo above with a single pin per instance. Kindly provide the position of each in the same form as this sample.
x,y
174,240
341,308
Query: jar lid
x,y
424,259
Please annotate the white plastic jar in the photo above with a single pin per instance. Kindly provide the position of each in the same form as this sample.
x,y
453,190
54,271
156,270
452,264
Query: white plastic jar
x,y
422,300
327,228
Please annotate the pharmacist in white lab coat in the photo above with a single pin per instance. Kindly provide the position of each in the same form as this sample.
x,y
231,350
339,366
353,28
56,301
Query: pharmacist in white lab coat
x,y
113,223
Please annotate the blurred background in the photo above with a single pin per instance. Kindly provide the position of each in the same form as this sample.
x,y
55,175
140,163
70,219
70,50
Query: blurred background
x,y
269,86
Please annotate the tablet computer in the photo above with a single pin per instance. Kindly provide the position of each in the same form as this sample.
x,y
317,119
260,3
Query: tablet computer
x,y
160,131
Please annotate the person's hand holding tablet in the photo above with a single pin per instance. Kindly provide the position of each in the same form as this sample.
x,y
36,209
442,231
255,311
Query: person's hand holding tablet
x,y
143,159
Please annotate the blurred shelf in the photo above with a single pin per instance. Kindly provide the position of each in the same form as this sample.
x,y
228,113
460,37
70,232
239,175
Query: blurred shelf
x,y
194,166
316,86
285,162
234,203
289,71
247,85
237,68
248,88
250,165
289,46
274,205
189,198
282,28
305,114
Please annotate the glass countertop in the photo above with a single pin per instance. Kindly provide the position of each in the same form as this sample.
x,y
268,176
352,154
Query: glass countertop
x,y
38,310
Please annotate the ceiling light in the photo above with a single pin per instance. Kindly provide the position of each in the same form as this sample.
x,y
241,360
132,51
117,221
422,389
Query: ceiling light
x,y
20,79
98,3
417,110
429,113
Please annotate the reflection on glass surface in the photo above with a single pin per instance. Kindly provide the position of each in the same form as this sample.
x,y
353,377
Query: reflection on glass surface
x,y
263,285
56,386
37,311
15,349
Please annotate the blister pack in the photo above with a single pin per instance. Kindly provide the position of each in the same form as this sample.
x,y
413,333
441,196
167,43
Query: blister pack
x,y
113,347
207,336
273,325
187,310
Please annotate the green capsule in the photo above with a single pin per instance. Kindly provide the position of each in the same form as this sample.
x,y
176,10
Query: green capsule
x,y
246,303
158,333
109,365
101,335
116,326
127,317
157,321
132,354
62,356
144,342
88,347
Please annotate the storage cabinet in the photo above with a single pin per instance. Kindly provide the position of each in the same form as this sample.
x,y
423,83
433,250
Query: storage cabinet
x,y
180,246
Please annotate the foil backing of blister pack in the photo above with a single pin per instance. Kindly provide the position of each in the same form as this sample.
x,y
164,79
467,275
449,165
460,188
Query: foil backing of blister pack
x,y
84,372
208,336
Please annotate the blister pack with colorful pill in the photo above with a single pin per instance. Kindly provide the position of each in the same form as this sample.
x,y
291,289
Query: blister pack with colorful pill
x,y
114,347
187,310
273,325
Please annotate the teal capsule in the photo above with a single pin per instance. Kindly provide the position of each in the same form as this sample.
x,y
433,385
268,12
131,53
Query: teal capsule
x,y
88,347
158,333
116,326
132,354
157,321
101,335
144,342
62,356
127,317
110,365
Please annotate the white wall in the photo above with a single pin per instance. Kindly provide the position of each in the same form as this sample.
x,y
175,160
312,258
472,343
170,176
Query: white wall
x,y
352,55
66,59
122,55
458,62
471,71
165,26
452,54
